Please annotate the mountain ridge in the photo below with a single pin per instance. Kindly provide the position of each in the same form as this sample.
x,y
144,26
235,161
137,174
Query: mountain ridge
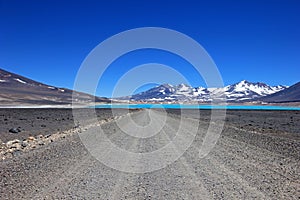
x,y
237,92
291,94
19,90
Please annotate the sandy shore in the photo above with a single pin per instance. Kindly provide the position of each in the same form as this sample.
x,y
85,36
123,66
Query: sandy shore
x,y
257,156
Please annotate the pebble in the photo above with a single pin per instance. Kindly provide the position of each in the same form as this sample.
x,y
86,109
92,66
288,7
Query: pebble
x,y
40,136
41,142
24,144
31,138
14,130
12,143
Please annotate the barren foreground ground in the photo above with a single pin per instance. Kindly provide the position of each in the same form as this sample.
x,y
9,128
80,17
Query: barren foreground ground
x,y
257,156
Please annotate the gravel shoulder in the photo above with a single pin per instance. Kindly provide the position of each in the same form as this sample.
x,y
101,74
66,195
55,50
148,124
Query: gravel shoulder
x,y
246,163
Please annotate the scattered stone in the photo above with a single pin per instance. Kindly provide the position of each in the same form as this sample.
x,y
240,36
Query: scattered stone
x,y
15,147
12,142
10,151
40,136
31,138
24,143
41,142
14,130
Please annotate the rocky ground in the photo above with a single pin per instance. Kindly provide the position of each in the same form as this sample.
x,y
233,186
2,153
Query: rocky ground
x,y
42,121
256,157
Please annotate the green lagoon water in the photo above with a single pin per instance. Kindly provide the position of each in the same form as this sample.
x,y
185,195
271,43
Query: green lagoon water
x,y
189,106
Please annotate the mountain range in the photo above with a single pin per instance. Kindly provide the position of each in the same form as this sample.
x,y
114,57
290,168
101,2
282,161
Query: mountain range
x,y
240,92
16,90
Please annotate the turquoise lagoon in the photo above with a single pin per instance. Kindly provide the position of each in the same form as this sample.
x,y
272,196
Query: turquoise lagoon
x,y
192,106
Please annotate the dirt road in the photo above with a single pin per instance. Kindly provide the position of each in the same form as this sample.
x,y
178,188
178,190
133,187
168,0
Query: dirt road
x,y
243,165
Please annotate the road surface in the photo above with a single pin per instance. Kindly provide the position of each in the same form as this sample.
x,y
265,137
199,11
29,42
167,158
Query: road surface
x,y
242,165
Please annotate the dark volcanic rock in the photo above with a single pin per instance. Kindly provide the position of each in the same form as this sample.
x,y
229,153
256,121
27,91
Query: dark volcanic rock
x,y
14,130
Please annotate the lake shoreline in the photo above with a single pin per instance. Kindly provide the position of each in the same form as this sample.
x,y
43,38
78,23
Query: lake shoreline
x,y
198,106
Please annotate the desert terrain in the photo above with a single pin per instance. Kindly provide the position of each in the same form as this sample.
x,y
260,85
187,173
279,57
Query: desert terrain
x,y
256,157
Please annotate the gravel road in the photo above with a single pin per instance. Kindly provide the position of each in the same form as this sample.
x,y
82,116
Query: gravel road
x,y
244,164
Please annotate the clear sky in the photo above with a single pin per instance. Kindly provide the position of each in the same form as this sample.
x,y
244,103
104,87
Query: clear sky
x,y
253,40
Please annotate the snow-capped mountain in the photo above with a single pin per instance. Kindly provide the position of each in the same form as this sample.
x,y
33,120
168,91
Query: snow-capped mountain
x,y
241,91
245,90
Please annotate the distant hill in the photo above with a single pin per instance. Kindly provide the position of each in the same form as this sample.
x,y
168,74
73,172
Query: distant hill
x,y
18,90
291,94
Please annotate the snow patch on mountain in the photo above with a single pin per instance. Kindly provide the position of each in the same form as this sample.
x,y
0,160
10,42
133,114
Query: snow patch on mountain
x,y
19,80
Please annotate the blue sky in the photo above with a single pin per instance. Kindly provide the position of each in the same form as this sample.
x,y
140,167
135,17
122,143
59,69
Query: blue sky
x,y
253,40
